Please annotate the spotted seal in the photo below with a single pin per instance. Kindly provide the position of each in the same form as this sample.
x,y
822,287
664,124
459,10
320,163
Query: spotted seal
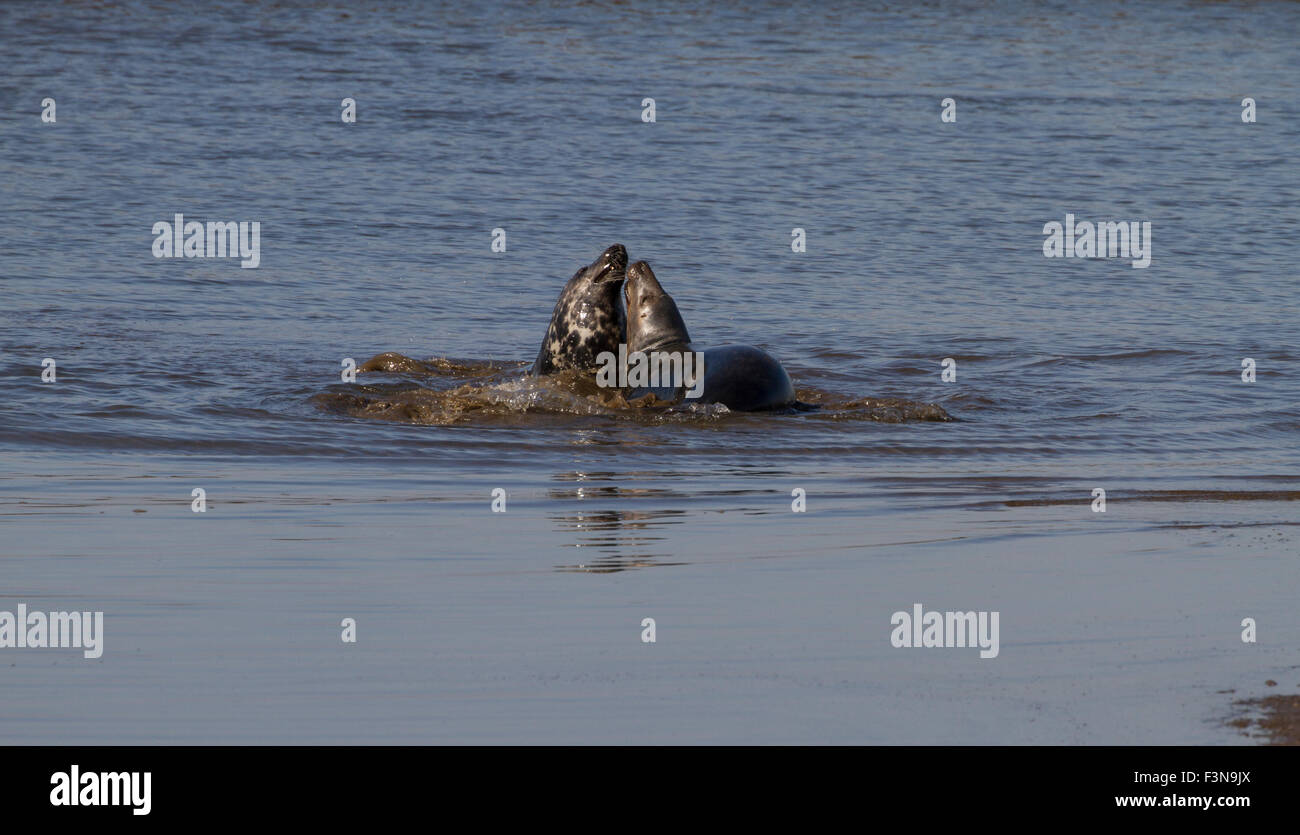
x,y
588,318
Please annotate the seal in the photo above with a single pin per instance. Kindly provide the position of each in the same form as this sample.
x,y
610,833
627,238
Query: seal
x,y
741,377
588,318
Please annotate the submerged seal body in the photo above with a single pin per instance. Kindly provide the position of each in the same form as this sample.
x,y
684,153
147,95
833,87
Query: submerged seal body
x,y
741,377
587,319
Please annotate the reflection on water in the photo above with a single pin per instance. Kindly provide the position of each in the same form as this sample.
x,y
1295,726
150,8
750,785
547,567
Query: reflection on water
x,y
623,519
621,539
617,539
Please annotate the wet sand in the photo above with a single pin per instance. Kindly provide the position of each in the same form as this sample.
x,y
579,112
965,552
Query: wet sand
x,y
525,626
1273,720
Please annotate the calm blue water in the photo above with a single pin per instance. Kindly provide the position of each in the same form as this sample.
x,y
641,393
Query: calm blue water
x,y
924,241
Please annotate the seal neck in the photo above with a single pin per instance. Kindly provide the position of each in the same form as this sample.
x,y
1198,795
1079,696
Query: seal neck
x,y
666,343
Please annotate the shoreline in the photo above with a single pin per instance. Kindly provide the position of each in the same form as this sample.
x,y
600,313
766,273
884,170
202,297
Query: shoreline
x,y
1269,720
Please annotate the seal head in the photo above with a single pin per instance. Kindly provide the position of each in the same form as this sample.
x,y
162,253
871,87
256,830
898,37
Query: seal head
x,y
588,318
741,377
653,321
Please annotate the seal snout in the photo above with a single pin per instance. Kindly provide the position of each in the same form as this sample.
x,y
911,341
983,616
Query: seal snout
x,y
612,264
641,282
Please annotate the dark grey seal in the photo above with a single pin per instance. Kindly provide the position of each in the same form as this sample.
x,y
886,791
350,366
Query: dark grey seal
x,y
588,318
741,377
